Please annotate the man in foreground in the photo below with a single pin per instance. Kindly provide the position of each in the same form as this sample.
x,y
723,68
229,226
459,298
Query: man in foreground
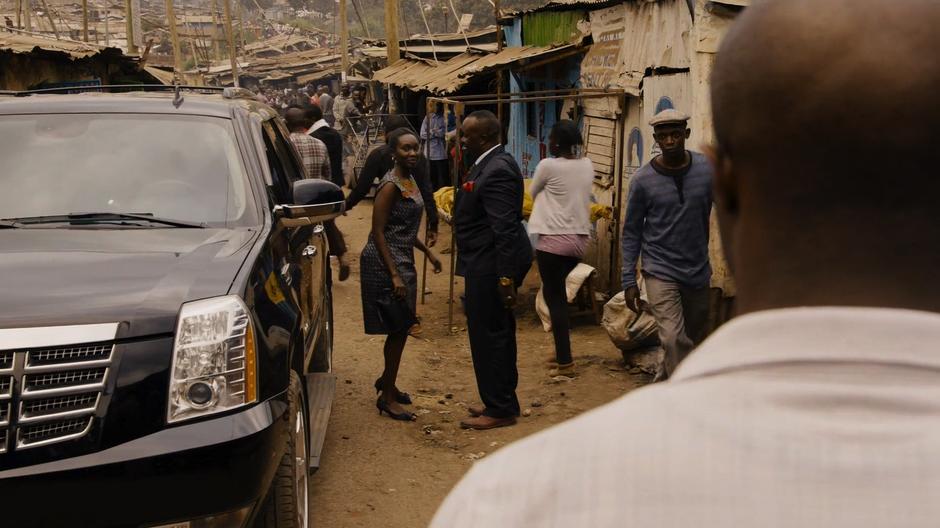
x,y
493,256
820,404
667,220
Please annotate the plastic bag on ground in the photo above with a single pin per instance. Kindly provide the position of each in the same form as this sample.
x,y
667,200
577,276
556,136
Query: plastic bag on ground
x,y
636,335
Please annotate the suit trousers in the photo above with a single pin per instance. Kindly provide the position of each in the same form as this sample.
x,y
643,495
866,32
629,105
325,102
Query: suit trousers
x,y
492,330
681,314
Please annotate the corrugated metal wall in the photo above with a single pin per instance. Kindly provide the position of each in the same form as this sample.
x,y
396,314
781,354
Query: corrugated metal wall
x,y
550,28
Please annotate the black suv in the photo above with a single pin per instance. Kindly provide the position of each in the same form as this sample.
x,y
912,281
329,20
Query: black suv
x,y
166,312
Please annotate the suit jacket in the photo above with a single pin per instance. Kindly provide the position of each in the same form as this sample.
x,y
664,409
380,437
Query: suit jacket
x,y
491,239
334,146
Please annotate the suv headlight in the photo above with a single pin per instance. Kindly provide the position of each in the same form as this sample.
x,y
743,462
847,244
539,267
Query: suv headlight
x,y
214,359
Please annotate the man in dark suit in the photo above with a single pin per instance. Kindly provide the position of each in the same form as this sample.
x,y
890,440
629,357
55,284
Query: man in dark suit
x,y
493,256
322,130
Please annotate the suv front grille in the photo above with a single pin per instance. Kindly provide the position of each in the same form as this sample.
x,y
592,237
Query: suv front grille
x,y
68,378
50,394
51,356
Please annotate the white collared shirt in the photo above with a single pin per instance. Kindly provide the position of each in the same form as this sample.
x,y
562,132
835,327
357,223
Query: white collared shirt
x,y
486,153
317,126
803,417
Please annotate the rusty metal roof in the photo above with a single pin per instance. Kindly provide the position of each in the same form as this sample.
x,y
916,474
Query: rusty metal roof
x,y
447,77
21,43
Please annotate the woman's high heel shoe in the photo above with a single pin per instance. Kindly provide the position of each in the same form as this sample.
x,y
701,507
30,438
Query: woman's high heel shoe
x,y
403,397
382,406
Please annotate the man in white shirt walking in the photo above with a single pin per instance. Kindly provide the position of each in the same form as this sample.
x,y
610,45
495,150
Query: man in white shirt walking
x,y
819,406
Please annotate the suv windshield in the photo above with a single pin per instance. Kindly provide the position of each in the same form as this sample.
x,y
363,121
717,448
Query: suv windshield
x,y
184,168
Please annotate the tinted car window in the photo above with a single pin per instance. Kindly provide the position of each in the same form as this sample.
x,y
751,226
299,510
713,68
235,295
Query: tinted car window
x,y
181,167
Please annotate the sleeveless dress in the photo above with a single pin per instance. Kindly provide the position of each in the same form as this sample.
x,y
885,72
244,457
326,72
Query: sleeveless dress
x,y
401,232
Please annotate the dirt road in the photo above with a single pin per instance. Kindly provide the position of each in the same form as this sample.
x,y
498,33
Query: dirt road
x,y
377,472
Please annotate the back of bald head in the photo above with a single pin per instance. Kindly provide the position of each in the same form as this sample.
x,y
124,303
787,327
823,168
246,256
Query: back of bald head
x,y
488,122
822,100
295,118
826,122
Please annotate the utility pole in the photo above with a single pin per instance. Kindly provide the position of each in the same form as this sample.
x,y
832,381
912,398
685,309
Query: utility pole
x,y
241,24
174,38
107,15
85,20
129,19
45,9
391,31
230,34
344,39
499,72
27,15
216,49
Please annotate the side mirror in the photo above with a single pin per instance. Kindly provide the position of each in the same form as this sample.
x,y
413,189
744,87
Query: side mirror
x,y
315,201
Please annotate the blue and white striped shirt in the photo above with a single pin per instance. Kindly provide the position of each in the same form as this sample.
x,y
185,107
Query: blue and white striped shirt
x,y
670,233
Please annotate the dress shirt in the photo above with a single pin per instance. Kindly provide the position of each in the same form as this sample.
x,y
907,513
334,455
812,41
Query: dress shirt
x,y
804,417
485,154
317,126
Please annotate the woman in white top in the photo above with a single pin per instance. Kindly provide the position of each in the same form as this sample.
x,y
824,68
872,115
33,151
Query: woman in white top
x,y
561,188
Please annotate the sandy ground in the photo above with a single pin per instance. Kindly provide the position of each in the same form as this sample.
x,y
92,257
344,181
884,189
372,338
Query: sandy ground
x,y
379,472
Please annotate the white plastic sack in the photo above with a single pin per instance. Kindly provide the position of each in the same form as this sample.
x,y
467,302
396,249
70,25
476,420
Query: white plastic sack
x,y
628,330
572,285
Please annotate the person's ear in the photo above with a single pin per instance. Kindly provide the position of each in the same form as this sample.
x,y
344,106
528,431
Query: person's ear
x,y
688,133
725,193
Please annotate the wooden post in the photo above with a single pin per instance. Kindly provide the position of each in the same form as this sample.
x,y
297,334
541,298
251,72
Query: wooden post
x,y
499,73
391,31
241,24
85,20
45,9
343,40
230,35
27,15
174,38
216,49
129,20
107,15
19,13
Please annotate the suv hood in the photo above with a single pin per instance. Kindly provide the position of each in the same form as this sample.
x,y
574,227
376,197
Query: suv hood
x,y
138,277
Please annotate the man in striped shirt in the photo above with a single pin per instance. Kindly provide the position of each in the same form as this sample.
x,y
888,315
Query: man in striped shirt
x,y
667,222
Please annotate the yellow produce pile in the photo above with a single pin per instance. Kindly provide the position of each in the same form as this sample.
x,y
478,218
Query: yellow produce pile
x,y
444,198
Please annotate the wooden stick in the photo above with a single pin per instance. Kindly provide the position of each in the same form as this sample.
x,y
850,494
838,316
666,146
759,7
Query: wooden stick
x,y
230,35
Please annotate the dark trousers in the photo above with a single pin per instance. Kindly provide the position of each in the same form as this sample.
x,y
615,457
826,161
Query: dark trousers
x,y
440,174
334,237
554,270
492,331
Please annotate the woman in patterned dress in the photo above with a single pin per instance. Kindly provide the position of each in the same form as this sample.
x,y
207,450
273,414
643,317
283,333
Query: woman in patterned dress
x,y
387,265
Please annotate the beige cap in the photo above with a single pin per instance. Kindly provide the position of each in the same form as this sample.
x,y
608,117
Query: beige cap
x,y
670,115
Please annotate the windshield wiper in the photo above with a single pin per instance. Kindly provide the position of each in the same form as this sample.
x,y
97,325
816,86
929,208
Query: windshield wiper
x,y
93,218
9,224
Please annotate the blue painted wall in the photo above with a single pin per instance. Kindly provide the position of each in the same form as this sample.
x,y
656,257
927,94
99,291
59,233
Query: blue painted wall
x,y
530,123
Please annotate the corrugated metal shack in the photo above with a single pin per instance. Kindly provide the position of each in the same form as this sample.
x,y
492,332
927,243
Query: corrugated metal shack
x,y
32,62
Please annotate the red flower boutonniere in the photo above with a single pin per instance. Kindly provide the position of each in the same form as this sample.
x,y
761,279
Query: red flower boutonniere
x,y
468,186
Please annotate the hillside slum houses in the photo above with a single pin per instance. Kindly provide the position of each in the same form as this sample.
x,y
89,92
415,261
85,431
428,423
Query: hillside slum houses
x,y
610,65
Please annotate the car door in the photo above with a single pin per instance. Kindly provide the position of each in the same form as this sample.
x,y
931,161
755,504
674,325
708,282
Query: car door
x,y
306,252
